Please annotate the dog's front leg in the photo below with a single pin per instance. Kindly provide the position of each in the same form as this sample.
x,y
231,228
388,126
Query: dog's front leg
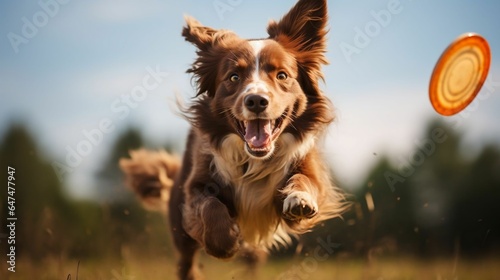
x,y
300,198
208,220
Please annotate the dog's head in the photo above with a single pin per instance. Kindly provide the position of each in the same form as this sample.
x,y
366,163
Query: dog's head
x,y
262,88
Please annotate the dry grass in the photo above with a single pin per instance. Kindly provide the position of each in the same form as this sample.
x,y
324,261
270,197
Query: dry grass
x,y
301,268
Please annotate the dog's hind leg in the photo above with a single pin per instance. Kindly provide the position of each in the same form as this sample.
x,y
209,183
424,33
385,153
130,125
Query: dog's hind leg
x,y
187,247
188,266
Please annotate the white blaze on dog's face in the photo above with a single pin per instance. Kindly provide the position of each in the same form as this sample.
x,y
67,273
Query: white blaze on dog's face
x,y
258,85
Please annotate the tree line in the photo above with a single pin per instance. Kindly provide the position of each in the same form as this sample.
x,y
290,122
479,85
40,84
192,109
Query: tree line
x,y
439,202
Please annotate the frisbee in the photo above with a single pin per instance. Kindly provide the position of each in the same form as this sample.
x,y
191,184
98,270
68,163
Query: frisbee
x,y
459,74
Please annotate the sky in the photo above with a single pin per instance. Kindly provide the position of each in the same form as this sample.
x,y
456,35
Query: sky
x,y
68,68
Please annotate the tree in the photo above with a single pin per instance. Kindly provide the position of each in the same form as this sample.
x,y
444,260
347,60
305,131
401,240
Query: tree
x,y
477,208
40,205
126,220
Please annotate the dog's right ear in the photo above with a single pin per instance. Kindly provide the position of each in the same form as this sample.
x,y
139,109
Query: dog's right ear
x,y
209,42
197,34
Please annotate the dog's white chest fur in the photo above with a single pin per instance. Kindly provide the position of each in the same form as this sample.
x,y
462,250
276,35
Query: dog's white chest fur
x,y
255,186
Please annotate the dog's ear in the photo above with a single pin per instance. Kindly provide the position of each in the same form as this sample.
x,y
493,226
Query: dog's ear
x,y
210,43
197,34
303,31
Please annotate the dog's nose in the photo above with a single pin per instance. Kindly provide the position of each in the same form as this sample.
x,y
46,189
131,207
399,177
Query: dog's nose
x,y
256,103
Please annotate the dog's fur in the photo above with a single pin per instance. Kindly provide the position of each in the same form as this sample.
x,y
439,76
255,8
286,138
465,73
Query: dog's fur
x,y
251,175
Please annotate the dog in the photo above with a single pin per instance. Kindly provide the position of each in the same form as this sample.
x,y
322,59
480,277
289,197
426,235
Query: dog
x,y
252,176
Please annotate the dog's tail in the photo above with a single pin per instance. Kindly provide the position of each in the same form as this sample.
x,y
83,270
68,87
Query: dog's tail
x,y
151,175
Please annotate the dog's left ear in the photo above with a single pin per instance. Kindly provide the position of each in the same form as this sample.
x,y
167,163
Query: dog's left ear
x,y
303,31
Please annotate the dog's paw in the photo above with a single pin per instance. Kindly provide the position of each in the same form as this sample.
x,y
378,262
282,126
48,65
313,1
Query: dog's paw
x,y
299,205
220,232
222,240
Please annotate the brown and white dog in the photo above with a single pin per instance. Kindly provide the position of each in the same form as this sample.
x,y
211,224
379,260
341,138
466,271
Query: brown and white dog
x,y
251,175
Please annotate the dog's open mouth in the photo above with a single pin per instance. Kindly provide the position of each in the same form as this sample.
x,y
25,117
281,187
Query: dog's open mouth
x,y
259,135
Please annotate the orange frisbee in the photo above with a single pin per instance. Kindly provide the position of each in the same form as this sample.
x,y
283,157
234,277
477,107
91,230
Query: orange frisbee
x,y
459,74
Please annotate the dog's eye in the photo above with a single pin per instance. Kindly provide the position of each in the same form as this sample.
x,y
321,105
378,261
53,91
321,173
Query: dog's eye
x,y
281,76
234,78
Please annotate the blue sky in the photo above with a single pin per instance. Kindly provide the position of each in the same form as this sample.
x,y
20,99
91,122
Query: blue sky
x,y
84,55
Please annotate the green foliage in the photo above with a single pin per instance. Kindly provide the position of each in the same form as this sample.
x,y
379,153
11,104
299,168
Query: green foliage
x,y
40,203
109,176
436,203
51,224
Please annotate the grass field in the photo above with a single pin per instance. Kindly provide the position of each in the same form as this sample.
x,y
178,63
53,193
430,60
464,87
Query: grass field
x,y
300,268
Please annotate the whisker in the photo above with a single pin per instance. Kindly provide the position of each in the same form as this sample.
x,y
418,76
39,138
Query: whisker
x,y
223,110
291,119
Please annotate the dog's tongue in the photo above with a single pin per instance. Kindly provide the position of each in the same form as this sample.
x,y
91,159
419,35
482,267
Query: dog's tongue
x,y
258,133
